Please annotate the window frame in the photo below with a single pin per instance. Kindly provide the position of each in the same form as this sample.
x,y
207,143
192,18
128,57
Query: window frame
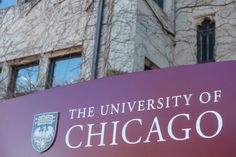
x,y
206,31
53,60
15,71
160,3
1,72
149,65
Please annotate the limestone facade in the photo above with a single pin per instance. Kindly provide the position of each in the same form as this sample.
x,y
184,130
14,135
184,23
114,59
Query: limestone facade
x,y
133,31
189,14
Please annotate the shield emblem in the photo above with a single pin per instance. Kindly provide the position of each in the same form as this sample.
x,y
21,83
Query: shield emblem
x,y
44,131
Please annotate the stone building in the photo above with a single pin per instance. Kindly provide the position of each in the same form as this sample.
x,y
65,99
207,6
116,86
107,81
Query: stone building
x,y
49,43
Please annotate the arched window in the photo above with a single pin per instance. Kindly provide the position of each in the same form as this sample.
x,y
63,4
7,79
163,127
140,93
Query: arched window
x,y
160,3
206,41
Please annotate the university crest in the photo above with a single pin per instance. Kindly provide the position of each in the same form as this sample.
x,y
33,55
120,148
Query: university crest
x,y
44,130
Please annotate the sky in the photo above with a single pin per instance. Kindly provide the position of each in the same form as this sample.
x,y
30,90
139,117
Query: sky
x,y
6,3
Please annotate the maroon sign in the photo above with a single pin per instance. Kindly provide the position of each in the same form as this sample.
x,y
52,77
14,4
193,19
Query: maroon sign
x,y
184,111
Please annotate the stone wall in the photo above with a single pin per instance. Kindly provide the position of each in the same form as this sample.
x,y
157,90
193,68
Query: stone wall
x,y
154,36
41,26
132,30
38,27
189,13
122,39
139,29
